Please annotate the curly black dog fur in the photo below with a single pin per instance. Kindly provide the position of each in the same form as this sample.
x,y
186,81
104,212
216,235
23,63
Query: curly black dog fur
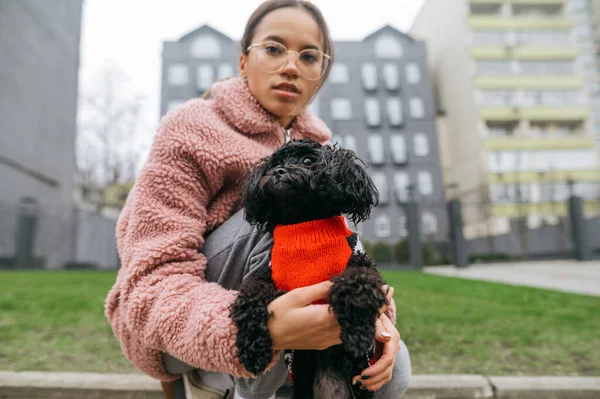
x,y
304,181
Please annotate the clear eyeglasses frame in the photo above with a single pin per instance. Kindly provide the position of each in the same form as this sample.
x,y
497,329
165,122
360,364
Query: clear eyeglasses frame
x,y
272,56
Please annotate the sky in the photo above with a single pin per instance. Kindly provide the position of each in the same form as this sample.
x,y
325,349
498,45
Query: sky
x,y
129,33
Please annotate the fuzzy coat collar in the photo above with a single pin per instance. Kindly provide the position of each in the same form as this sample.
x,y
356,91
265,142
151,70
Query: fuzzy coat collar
x,y
240,108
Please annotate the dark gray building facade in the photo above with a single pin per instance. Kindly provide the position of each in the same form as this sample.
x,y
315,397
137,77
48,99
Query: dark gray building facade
x,y
378,101
39,64
191,64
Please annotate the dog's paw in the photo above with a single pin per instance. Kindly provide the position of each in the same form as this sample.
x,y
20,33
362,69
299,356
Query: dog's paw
x,y
356,298
358,343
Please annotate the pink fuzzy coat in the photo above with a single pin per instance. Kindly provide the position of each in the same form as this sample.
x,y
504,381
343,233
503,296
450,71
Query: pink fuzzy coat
x,y
189,185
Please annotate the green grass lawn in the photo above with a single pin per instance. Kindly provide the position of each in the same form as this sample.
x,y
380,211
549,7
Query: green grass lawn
x,y
54,321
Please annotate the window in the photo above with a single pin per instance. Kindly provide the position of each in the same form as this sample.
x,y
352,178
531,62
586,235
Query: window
x,y
503,161
587,191
350,143
494,68
417,108
376,149
372,112
582,32
391,76
398,144
551,37
529,98
560,97
552,192
489,37
206,47
394,111
369,76
380,182
429,223
225,71
543,160
388,46
497,131
510,193
421,145
502,129
341,109
178,75
485,9
205,77
413,73
540,9
497,98
401,183
425,183
402,226
587,64
548,67
339,73
382,226
173,104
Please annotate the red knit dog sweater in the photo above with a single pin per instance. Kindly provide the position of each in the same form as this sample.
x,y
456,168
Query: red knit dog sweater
x,y
310,252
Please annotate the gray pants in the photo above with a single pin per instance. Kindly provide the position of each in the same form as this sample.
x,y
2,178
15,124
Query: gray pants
x,y
234,251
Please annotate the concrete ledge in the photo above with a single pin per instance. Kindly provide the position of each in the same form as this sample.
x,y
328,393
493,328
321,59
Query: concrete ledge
x,y
33,384
546,387
21,385
449,387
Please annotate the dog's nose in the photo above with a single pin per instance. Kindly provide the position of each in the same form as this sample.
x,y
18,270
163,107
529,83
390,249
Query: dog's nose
x,y
280,171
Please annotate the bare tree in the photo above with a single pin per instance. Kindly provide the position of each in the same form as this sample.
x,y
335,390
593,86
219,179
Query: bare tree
x,y
108,146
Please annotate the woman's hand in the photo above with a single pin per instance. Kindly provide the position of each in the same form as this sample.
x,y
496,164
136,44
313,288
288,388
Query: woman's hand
x,y
380,373
296,324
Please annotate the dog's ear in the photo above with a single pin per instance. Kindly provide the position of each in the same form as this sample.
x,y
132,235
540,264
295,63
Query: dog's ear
x,y
257,210
342,177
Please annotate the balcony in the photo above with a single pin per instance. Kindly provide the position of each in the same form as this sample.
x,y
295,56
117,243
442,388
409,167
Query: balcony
x,y
545,114
544,53
517,23
558,114
524,52
545,143
557,209
587,176
486,1
525,2
539,2
560,82
499,114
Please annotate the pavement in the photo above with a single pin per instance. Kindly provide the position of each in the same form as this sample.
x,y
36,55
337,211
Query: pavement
x,y
20,385
560,275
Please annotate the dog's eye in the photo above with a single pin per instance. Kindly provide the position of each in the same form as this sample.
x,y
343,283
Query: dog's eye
x,y
307,161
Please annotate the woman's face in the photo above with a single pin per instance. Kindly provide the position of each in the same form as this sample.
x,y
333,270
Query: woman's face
x,y
296,30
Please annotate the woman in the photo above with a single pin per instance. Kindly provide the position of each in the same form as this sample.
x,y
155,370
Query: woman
x,y
162,301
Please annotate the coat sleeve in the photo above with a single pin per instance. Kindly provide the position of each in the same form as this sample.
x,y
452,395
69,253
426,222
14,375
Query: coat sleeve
x,y
161,301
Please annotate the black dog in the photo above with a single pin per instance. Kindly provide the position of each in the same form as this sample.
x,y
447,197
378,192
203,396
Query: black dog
x,y
300,193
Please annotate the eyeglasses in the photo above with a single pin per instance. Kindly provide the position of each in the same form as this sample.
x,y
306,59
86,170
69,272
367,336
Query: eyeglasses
x,y
272,56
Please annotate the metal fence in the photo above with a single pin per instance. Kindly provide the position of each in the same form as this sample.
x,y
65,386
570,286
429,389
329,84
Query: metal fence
x,y
534,235
526,236
36,238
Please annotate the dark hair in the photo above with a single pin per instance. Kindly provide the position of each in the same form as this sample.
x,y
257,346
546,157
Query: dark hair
x,y
272,5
